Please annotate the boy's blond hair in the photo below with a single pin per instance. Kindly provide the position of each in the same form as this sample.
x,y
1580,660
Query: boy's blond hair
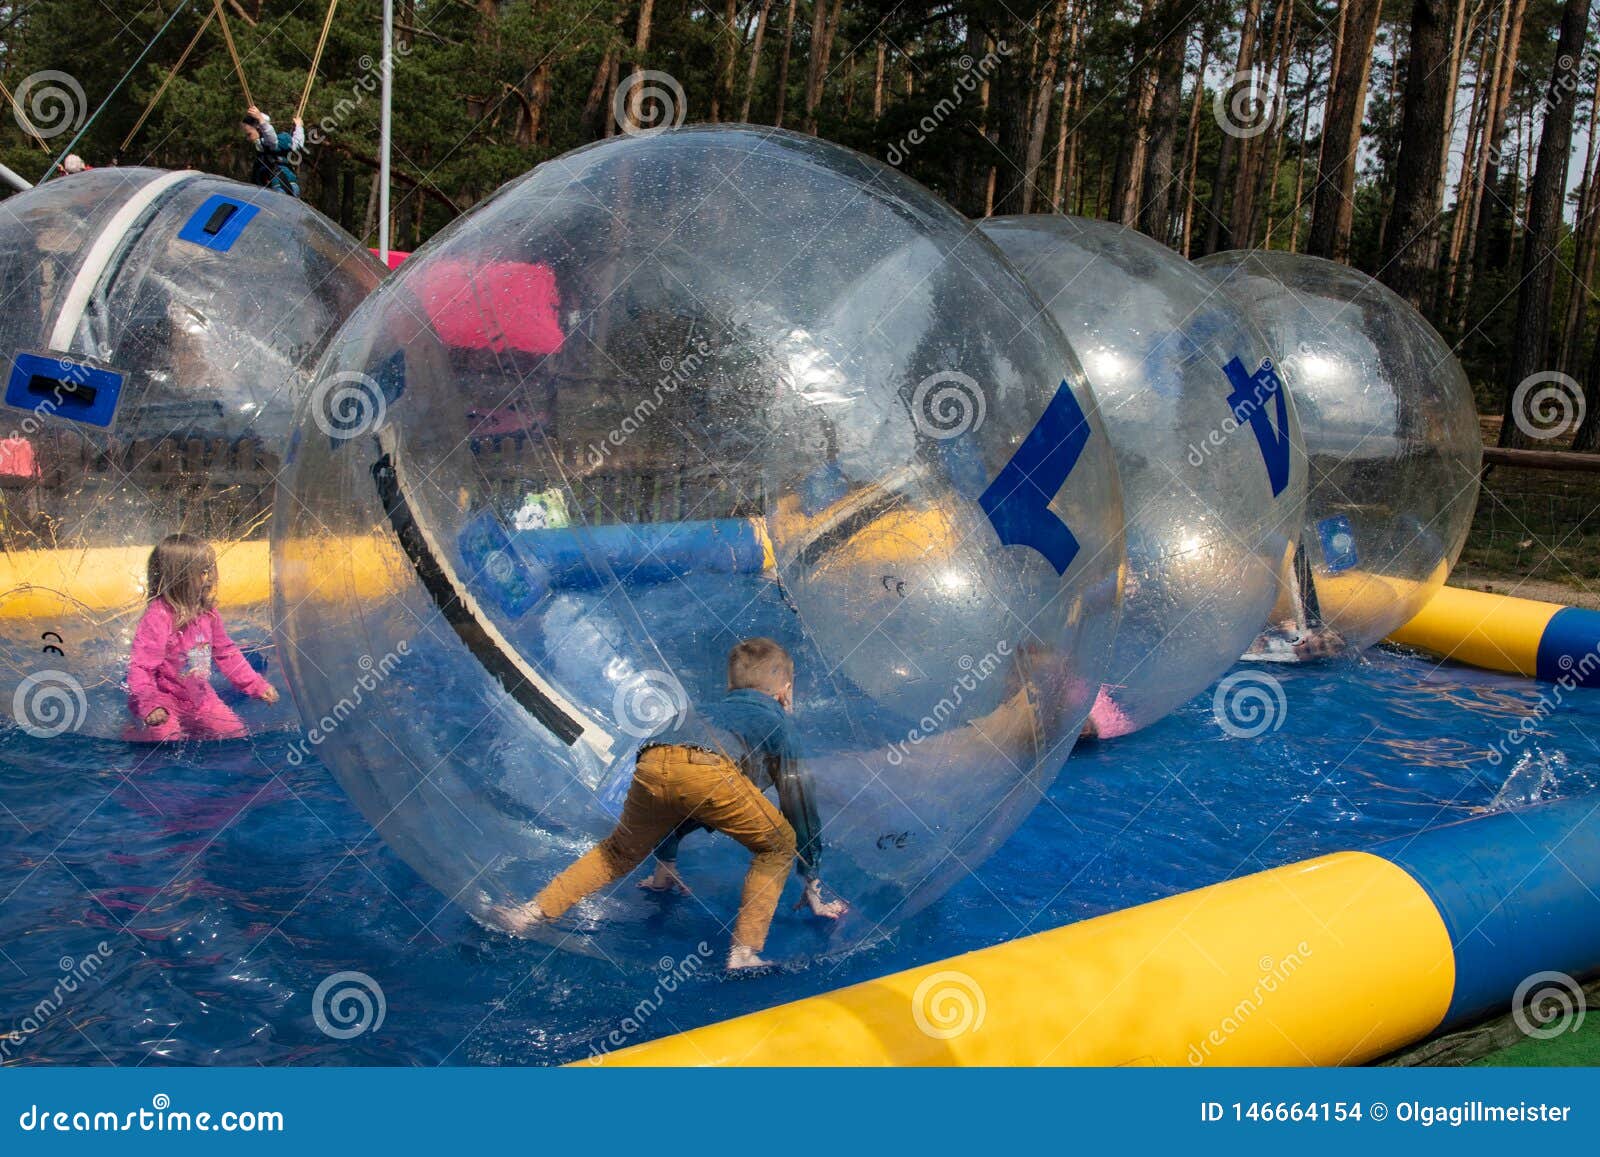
x,y
760,664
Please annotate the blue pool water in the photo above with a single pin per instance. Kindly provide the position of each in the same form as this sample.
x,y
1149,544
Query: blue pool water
x,y
226,884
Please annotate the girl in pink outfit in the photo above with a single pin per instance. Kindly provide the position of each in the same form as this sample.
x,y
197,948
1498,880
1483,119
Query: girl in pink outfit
x,y
177,640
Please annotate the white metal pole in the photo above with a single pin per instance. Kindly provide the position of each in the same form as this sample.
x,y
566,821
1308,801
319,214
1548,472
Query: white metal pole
x,y
12,179
383,131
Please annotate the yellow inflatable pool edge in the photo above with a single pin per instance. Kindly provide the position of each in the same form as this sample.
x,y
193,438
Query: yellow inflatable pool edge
x,y
108,581
1492,631
104,582
1338,960
1261,970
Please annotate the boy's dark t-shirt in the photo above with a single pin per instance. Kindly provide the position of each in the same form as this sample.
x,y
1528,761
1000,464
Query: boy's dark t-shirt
x,y
270,165
752,729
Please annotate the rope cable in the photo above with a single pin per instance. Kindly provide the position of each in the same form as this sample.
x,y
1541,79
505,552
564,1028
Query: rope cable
x,y
162,91
316,60
238,65
27,126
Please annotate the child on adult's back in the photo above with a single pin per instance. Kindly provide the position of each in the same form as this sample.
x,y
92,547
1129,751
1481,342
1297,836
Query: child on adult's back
x,y
178,639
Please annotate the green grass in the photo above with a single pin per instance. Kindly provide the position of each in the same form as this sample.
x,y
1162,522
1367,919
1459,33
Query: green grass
x,y
1541,524
1570,1049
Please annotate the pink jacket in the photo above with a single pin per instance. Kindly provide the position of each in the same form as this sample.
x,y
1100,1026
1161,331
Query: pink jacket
x,y
172,668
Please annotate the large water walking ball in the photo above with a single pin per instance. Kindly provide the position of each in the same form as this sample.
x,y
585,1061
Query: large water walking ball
x,y
156,328
1392,435
657,396
1213,470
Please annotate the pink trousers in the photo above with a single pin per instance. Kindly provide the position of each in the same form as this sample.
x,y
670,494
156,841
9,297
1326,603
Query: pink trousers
x,y
210,718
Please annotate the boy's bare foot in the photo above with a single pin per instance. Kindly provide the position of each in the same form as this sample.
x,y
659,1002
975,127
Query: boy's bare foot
x,y
519,920
742,956
827,909
666,879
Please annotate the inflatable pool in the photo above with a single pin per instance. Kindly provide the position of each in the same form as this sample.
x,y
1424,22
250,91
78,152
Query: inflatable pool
x,y
1371,950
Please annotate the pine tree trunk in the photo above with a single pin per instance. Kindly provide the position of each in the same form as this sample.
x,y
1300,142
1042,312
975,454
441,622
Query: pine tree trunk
x,y
823,27
1075,181
1252,149
1462,267
641,45
1300,160
1191,167
877,85
783,64
1223,179
1411,242
1266,183
1583,252
755,61
1012,101
1531,330
1074,178
1483,84
1129,168
727,61
1332,202
1155,209
1484,209
975,175
1460,32
1058,185
1046,87
819,27
594,103
1587,439
827,45
1058,178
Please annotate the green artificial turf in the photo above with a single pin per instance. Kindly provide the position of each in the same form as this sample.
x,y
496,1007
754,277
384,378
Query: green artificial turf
x,y
1570,1049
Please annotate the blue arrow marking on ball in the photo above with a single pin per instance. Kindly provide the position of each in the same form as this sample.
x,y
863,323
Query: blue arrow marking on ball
x,y
1248,401
1018,500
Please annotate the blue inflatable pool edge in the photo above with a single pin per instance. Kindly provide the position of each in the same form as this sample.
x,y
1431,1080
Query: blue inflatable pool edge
x,y
1342,959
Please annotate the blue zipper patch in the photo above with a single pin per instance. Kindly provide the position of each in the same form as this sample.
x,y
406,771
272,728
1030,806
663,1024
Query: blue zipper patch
x,y
216,225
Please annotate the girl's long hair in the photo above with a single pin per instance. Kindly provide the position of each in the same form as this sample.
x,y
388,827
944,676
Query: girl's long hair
x,y
183,570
